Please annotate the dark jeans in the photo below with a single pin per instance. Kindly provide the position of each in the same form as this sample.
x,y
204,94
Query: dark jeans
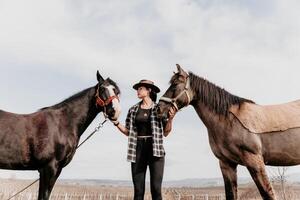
x,y
144,157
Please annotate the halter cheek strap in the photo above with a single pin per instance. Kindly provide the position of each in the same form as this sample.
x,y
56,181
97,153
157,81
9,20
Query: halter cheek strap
x,y
173,101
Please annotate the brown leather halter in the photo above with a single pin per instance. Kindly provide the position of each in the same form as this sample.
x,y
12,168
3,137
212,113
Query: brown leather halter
x,y
173,101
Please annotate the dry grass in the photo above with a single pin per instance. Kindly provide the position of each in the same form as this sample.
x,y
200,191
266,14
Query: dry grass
x,y
250,192
79,192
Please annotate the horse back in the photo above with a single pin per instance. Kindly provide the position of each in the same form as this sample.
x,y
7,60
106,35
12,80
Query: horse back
x,y
270,118
28,141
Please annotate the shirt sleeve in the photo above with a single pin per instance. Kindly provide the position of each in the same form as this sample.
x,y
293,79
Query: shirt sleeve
x,y
163,121
128,118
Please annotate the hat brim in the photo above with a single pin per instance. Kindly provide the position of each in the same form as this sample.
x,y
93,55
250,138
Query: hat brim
x,y
153,87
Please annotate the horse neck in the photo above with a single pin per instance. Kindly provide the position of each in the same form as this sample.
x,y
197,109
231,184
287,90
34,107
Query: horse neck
x,y
208,117
80,110
211,102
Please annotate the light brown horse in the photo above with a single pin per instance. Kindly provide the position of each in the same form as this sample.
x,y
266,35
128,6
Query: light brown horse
x,y
231,142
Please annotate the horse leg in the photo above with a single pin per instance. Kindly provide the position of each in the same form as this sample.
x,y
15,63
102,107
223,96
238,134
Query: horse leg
x,y
48,177
256,167
230,179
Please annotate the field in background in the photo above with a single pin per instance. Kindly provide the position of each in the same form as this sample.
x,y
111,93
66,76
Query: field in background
x,y
65,191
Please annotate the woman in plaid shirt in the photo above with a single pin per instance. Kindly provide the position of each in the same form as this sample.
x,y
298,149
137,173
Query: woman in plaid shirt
x,y
145,133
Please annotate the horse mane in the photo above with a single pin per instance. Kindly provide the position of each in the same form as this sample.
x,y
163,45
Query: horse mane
x,y
81,94
70,99
217,99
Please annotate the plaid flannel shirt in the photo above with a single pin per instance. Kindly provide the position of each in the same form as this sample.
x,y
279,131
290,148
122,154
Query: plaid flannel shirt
x,y
157,132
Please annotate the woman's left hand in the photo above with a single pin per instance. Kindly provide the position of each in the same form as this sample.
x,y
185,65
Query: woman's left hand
x,y
172,113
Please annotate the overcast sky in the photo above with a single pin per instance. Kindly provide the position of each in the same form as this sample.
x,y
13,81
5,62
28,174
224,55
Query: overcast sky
x,y
51,49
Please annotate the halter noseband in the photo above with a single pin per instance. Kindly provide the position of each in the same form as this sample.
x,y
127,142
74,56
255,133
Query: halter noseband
x,y
173,100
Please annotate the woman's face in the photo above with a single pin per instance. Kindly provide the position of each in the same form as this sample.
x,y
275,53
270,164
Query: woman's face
x,y
143,92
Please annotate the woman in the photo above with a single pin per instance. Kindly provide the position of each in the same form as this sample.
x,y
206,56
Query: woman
x,y
145,140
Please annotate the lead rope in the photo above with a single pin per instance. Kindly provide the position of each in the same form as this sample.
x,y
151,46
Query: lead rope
x,y
96,129
91,134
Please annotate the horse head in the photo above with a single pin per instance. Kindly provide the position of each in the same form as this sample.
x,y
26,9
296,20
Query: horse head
x,y
178,95
107,97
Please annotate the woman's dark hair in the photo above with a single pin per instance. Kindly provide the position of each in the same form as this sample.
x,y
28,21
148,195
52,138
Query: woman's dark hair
x,y
153,95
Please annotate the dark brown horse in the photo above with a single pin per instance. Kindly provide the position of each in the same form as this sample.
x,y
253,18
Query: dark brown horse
x,y
230,140
46,140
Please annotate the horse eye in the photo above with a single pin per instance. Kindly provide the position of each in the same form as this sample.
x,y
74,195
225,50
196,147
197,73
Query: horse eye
x,y
174,87
102,91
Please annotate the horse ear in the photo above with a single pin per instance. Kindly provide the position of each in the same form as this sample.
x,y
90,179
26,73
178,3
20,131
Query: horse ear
x,y
99,77
180,70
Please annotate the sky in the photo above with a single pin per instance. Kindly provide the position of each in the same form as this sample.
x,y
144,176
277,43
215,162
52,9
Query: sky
x,y
50,50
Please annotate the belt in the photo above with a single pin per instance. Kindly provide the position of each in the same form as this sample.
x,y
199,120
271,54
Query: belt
x,y
144,137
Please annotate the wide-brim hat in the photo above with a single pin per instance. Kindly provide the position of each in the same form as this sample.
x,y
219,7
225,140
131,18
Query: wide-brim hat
x,y
148,84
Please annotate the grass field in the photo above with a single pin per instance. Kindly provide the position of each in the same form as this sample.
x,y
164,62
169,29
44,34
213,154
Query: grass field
x,y
87,192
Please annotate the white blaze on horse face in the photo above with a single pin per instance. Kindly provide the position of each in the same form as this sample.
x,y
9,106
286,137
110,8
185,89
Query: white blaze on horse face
x,y
115,102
